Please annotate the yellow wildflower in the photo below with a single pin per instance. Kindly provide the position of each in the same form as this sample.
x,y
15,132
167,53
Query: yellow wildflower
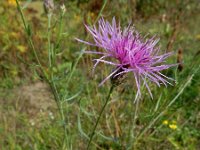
x,y
173,126
77,18
198,36
14,72
12,2
165,122
21,48
14,35
92,14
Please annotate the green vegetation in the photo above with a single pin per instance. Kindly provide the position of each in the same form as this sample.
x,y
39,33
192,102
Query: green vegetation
x,y
54,104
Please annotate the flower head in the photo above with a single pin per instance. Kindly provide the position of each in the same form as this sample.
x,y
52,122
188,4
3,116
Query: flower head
x,y
165,122
63,8
48,6
12,2
173,126
128,51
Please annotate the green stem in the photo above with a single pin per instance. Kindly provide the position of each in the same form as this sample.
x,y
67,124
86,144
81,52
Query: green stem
x,y
100,114
28,32
52,84
166,108
65,128
59,35
80,55
49,40
133,125
60,108
102,8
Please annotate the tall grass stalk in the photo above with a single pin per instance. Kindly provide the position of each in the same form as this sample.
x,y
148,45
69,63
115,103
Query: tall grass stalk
x,y
29,37
184,86
100,114
83,49
52,56
48,77
49,40
133,124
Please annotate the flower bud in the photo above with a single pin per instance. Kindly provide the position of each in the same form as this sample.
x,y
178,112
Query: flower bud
x,y
48,6
117,78
63,8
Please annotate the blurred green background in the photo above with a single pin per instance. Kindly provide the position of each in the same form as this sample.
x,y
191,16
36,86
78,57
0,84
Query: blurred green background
x,y
28,114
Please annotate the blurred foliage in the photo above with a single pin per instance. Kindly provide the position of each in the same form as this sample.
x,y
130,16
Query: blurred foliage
x,y
176,22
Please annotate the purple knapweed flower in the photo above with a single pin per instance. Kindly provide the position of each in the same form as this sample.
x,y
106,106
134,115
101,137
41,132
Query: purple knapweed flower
x,y
131,53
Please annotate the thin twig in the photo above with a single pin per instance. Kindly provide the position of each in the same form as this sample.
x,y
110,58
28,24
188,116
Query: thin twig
x,y
100,114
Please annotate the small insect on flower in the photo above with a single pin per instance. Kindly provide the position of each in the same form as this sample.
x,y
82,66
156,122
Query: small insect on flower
x,y
128,51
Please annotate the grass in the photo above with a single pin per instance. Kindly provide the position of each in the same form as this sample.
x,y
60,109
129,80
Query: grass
x,y
29,118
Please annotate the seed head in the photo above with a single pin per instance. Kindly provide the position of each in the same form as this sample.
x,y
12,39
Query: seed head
x,y
48,6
